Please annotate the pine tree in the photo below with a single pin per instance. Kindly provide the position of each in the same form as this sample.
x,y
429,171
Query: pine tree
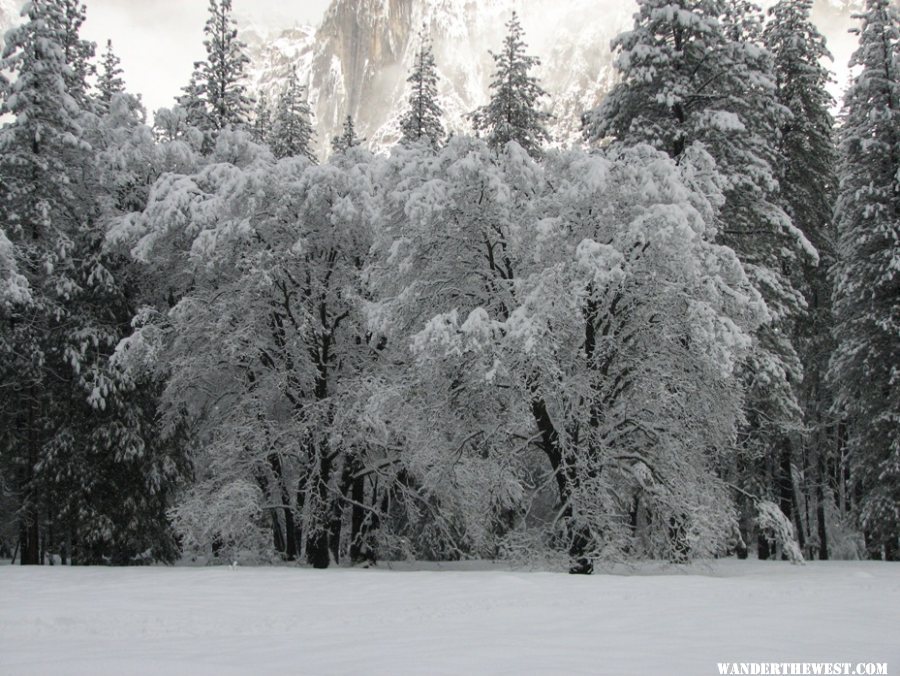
x,y
262,120
512,113
292,130
865,369
223,71
36,150
348,138
109,82
422,120
808,183
193,100
75,442
79,53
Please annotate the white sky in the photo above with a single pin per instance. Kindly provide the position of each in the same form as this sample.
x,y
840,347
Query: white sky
x,y
159,40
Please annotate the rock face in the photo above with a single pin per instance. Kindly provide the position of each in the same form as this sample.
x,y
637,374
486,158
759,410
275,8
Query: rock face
x,y
358,60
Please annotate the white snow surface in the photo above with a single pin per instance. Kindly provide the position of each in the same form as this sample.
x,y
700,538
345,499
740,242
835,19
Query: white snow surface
x,y
462,619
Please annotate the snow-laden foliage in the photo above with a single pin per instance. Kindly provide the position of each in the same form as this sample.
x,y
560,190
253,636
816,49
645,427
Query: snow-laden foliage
x,y
109,80
695,74
422,120
348,138
865,368
265,344
291,133
514,113
77,443
807,178
574,310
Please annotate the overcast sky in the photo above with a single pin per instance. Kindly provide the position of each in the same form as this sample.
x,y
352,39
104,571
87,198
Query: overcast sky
x,y
159,40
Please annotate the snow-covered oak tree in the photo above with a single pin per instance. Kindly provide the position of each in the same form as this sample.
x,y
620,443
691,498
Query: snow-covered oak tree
x,y
264,345
575,310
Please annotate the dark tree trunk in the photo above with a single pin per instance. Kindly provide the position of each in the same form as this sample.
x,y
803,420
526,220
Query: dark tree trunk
x,y
579,535
336,524
763,548
820,509
31,537
291,550
318,552
277,533
787,497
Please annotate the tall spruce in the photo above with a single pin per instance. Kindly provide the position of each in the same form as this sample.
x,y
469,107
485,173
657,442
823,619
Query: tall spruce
x,y
808,181
109,81
292,131
865,369
227,99
422,120
513,113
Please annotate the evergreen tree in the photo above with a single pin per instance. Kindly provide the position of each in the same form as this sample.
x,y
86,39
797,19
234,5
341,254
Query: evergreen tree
x,y
78,53
422,120
512,113
262,120
292,130
348,138
193,100
865,369
75,444
226,95
35,193
808,183
110,80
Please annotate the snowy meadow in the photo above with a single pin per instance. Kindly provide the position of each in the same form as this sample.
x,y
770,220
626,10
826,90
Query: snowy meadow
x,y
446,619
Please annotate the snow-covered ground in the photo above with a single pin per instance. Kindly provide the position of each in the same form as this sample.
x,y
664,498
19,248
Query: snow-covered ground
x,y
644,620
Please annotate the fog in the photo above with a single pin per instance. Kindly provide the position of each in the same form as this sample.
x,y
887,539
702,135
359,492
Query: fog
x,y
158,40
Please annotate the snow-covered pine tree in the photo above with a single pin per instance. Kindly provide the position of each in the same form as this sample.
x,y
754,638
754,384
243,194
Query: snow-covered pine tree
x,y
227,99
36,149
865,368
262,120
193,100
694,75
806,173
79,53
292,130
513,113
422,120
348,138
109,81
75,441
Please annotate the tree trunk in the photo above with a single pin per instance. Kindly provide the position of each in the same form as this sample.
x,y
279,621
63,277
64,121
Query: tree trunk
x,y
357,520
820,509
579,535
763,548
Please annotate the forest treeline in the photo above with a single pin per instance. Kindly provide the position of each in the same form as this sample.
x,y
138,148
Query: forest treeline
x,y
680,340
